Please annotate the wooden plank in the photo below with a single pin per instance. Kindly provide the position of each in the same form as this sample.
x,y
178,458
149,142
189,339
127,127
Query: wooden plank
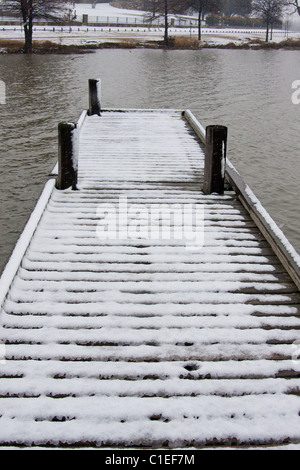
x,y
215,159
138,341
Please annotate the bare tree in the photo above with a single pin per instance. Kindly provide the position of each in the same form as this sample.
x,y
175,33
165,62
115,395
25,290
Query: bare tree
x,y
164,8
202,7
69,13
295,4
237,7
286,25
270,11
29,10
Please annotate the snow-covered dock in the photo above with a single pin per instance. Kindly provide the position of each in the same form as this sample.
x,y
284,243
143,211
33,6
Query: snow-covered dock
x,y
129,341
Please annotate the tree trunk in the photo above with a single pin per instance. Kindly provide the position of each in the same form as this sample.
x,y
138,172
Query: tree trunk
x,y
199,24
28,38
166,36
27,14
267,32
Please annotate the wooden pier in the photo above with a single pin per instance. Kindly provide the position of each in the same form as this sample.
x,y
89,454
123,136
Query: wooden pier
x,y
149,340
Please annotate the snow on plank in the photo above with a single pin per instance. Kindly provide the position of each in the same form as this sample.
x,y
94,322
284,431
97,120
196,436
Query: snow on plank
x,y
140,341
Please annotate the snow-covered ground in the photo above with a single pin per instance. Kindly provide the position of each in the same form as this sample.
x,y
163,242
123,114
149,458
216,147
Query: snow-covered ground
x,y
105,9
96,35
107,14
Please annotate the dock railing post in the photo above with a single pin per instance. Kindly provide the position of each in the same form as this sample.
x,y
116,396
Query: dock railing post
x,y
67,156
215,159
94,96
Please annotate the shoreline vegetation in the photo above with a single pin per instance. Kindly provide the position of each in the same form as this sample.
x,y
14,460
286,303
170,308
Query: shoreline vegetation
x,y
12,46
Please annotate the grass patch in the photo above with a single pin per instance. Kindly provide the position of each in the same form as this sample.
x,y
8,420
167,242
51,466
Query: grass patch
x,y
49,47
184,42
11,43
256,42
289,44
11,46
128,43
229,45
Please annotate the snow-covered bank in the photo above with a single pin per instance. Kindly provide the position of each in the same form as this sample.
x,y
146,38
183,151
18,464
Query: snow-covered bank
x,y
105,9
84,35
105,12
94,35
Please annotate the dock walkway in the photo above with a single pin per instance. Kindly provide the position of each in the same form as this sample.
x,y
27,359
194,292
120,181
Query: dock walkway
x,y
129,341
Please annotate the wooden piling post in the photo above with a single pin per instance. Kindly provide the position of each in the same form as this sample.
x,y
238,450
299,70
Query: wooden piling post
x,y
94,96
215,159
67,159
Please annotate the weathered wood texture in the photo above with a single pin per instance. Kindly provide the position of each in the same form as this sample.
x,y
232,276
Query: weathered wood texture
x,y
140,341
94,96
215,159
67,167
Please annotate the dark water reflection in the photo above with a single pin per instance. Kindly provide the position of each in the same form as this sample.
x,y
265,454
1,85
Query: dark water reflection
x,y
249,91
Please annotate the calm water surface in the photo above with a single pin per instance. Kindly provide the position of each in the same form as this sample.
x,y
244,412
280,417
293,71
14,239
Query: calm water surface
x,y
248,91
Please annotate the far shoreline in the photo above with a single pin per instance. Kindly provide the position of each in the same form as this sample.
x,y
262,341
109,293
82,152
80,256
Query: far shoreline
x,y
10,46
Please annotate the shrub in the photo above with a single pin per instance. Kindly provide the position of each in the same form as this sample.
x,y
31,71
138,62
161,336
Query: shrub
x,y
128,43
183,42
213,20
237,21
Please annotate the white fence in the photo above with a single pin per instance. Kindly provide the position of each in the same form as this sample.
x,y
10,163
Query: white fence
x,y
135,20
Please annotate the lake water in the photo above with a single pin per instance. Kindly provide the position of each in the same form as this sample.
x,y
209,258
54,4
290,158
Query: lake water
x,y
248,91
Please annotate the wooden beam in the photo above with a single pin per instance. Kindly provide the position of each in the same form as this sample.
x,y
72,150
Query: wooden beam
x,y
195,124
215,159
67,165
94,96
273,235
